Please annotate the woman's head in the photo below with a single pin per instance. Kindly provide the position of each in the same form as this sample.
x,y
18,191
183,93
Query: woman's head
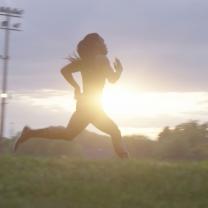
x,y
92,44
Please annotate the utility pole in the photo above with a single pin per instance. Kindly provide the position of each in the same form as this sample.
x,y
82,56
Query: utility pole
x,y
6,25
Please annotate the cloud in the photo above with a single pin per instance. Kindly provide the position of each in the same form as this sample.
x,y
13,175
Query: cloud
x,y
162,44
54,107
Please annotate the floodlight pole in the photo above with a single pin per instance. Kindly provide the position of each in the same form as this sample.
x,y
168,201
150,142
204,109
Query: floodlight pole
x,y
7,13
4,76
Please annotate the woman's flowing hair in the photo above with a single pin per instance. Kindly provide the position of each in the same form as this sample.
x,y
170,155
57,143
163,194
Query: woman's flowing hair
x,y
92,45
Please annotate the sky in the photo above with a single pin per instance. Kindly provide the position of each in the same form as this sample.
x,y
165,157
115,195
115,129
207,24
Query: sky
x,y
162,45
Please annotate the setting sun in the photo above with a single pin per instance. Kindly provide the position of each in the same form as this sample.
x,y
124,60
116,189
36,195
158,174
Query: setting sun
x,y
137,112
127,102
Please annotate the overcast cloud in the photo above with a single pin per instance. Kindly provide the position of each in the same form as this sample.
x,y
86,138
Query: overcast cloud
x,y
163,45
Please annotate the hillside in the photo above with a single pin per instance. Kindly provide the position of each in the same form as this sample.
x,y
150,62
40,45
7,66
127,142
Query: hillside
x,y
66,183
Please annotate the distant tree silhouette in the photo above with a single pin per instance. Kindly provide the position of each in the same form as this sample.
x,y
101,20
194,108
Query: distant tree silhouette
x,y
185,141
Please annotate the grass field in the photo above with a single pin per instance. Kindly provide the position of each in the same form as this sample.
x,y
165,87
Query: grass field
x,y
27,182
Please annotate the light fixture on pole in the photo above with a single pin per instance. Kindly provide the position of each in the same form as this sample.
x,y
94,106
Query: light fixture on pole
x,y
7,26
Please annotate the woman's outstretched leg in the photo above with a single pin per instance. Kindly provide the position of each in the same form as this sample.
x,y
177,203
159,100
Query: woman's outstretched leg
x,y
76,124
105,124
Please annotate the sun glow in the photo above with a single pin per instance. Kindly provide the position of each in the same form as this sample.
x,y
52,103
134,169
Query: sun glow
x,y
134,111
126,102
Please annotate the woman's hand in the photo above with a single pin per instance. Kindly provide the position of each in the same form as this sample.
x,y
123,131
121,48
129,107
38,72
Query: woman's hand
x,y
118,66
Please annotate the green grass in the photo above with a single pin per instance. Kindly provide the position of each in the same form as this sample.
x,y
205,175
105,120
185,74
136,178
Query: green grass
x,y
27,182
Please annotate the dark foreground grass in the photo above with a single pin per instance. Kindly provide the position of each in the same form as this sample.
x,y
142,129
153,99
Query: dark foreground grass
x,y
59,183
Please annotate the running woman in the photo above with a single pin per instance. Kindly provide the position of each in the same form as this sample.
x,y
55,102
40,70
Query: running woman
x,y
92,62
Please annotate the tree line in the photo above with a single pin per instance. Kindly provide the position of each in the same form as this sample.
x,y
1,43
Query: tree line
x,y
186,141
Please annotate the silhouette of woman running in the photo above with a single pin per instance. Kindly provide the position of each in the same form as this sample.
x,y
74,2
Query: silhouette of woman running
x,y
95,69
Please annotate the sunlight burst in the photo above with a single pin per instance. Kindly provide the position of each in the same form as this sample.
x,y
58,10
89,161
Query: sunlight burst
x,y
126,102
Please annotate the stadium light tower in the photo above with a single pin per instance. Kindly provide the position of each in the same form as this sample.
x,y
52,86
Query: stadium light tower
x,y
6,25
